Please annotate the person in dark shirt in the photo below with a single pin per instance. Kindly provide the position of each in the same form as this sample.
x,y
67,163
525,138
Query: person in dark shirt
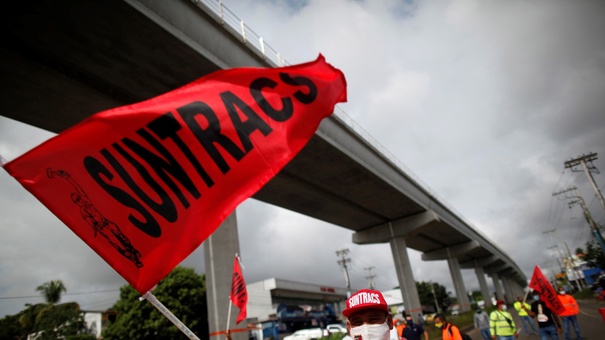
x,y
413,331
548,322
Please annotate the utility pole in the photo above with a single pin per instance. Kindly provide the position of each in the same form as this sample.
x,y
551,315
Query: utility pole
x,y
435,297
558,258
570,262
586,161
343,262
593,226
370,277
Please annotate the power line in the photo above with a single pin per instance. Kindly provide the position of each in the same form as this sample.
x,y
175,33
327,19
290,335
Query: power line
x,y
370,277
343,262
66,294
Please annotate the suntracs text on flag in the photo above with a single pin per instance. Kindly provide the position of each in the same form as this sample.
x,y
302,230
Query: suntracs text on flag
x,y
540,284
145,184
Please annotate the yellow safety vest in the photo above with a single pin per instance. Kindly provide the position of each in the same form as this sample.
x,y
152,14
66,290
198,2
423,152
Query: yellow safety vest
x,y
501,323
520,310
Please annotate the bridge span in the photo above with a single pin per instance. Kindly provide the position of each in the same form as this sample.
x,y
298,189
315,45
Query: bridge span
x,y
65,60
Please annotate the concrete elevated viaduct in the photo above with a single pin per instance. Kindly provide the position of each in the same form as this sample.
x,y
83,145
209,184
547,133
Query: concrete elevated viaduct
x,y
65,60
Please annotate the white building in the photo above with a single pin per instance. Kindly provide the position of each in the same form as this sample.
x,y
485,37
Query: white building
x,y
265,296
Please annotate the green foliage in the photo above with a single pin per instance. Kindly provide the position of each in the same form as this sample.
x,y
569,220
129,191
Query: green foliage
x,y
52,291
593,254
46,320
335,336
10,327
183,292
425,293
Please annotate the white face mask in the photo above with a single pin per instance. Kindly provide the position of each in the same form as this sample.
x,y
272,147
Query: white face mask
x,y
371,332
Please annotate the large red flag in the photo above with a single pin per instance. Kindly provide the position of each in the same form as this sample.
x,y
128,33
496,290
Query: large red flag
x,y
540,284
239,293
145,184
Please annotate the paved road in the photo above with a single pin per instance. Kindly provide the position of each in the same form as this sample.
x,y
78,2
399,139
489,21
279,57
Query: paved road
x,y
592,325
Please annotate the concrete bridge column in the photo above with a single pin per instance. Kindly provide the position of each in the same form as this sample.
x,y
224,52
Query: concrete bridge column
x,y
219,251
405,277
518,291
395,232
483,286
508,293
456,273
497,286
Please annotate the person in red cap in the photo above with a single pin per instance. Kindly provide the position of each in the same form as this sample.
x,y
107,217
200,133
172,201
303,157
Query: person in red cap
x,y
501,323
368,316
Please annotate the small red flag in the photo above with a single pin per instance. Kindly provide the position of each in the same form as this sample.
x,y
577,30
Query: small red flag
x,y
239,294
145,184
540,284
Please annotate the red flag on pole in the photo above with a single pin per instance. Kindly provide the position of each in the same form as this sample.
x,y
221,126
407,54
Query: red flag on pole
x,y
239,294
145,184
540,284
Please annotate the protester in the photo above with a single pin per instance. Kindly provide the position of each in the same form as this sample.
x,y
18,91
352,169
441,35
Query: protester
x,y
412,331
548,322
501,323
482,323
570,315
368,316
522,307
448,331
399,325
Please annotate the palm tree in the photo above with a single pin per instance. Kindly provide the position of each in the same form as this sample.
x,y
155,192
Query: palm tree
x,y
52,291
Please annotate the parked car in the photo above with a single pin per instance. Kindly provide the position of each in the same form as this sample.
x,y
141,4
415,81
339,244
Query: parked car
x,y
306,334
336,328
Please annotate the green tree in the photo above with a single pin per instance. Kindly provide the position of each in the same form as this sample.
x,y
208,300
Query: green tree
x,y
46,320
52,291
183,292
425,293
593,254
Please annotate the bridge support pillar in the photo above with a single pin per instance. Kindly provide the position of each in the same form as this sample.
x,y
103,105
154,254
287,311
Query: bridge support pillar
x,y
395,232
497,286
510,294
456,273
405,277
219,251
483,286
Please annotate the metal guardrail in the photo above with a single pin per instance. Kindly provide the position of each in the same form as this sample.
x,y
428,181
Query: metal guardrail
x,y
233,23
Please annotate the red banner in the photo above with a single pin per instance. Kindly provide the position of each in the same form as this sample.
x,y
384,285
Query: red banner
x,y
540,284
239,294
145,184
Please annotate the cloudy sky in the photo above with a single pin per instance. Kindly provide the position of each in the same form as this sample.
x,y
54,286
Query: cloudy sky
x,y
482,100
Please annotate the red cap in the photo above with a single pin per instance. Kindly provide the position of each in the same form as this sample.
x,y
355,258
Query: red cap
x,y
365,299
499,302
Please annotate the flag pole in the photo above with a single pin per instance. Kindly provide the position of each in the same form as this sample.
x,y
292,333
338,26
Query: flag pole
x,y
526,293
168,314
229,315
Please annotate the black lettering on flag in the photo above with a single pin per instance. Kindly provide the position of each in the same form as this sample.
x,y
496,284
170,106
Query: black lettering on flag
x,y
282,115
165,207
239,288
307,98
164,167
244,129
166,126
207,137
96,170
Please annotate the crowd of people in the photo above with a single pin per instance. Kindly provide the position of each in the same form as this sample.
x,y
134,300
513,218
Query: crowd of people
x,y
369,318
